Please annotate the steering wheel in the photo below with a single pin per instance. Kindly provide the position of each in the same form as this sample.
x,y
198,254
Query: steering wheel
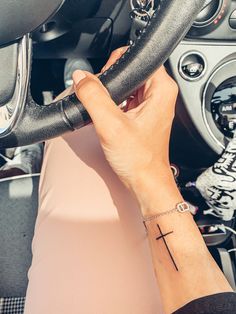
x,y
29,122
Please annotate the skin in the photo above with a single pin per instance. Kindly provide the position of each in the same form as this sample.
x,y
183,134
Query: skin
x,y
141,160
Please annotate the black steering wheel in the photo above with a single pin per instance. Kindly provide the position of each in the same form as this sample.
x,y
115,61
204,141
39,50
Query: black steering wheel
x,y
32,123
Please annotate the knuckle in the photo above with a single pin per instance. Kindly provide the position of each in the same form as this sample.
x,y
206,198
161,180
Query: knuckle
x,y
172,109
172,85
118,129
87,88
172,92
120,126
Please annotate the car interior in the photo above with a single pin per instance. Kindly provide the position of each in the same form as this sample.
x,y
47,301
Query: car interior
x,y
44,42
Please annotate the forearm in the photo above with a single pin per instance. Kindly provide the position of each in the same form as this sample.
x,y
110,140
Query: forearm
x,y
184,268
136,149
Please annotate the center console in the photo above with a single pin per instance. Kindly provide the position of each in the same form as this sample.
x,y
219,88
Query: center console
x,y
204,65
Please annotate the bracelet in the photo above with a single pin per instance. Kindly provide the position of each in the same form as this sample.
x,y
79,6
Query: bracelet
x,y
180,208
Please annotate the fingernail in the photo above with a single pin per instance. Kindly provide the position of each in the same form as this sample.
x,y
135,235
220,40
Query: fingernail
x,y
78,76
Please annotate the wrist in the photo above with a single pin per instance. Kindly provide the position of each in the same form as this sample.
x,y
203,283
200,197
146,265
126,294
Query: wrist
x,y
156,192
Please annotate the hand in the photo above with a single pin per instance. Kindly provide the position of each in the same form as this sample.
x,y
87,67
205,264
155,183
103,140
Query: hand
x,y
136,142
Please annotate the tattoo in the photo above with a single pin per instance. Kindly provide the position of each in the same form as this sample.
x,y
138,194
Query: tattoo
x,y
162,236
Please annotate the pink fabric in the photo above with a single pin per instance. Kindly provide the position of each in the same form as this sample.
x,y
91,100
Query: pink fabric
x,y
90,250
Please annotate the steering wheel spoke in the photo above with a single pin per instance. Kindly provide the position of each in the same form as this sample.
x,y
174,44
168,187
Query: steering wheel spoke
x,y
18,56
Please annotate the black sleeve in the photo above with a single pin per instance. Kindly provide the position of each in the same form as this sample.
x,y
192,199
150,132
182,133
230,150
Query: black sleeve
x,y
223,303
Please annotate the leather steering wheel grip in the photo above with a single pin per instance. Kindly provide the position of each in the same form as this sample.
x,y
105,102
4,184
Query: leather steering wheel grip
x,y
167,27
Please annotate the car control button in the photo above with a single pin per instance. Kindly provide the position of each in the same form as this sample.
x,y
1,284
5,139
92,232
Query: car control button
x,y
193,69
232,20
192,66
223,107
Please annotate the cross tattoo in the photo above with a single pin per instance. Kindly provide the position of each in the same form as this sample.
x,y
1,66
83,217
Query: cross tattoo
x,y
162,236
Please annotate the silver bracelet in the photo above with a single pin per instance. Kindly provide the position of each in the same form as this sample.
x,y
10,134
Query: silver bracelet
x,y
180,208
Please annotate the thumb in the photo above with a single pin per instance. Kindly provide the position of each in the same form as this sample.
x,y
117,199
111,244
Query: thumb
x,y
96,99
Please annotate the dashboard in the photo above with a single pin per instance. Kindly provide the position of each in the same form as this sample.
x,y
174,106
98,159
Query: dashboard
x,y
204,65
217,20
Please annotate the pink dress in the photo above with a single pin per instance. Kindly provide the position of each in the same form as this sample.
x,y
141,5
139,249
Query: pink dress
x,y
90,249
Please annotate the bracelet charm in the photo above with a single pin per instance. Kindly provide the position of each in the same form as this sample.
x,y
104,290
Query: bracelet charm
x,y
180,208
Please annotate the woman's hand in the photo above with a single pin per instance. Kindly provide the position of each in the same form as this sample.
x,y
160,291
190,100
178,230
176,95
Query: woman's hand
x,y
135,142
